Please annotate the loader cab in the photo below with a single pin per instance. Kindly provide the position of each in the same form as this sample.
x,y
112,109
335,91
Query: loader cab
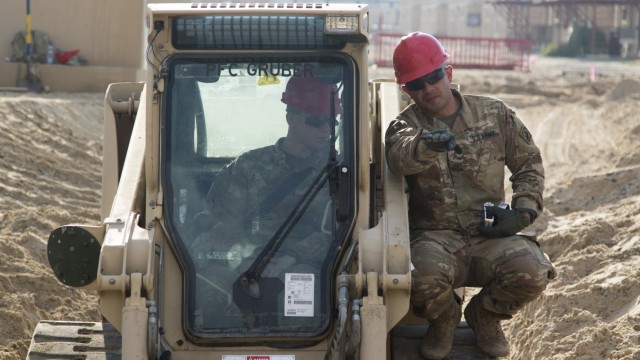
x,y
224,109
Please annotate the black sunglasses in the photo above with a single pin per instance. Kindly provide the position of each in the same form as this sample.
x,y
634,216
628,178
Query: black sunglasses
x,y
431,78
316,121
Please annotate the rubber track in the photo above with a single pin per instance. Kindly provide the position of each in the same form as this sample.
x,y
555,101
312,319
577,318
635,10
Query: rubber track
x,y
74,340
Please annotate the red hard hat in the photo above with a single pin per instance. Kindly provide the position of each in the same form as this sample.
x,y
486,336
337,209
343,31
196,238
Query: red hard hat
x,y
416,55
311,96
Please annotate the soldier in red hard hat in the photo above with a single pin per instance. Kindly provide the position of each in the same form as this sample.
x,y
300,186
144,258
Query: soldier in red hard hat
x,y
310,99
453,149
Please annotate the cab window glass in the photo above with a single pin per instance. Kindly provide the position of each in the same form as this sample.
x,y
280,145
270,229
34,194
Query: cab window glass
x,y
252,145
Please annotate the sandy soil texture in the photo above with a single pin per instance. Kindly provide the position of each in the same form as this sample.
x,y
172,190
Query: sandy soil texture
x,y
589,133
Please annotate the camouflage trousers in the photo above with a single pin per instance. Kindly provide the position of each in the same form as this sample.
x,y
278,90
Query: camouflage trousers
x,y
512,271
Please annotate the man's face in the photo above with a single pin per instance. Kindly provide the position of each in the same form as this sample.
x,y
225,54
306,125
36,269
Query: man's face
x,y
310,131
434,97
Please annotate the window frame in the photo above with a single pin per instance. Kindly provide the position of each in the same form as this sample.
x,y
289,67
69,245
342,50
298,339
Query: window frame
x,y
351,146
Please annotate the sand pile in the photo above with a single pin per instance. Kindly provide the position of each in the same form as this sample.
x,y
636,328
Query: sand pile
x,y
589,133
50,173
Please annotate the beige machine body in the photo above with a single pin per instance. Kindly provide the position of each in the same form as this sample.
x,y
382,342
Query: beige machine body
x,y
213,90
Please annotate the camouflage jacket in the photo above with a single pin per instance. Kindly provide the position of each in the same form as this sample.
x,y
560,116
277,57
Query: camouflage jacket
x,y
447,190
255,193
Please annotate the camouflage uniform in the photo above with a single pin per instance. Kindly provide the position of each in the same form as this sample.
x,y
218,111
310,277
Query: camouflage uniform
x,y
245,220
447,192
241,209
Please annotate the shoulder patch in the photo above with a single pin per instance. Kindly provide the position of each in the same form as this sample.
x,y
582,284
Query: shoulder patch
x,y
526,135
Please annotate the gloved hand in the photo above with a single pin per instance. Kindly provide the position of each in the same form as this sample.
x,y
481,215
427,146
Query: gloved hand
x,y
439,140
506,222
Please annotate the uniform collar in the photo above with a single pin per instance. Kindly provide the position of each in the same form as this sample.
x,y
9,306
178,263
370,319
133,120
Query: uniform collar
x,y
464,114
461,123
316,159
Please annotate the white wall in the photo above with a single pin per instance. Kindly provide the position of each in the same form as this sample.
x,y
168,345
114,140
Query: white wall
x,y
451,17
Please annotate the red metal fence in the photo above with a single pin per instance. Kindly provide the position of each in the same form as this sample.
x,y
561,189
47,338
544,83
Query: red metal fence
x,y
465,52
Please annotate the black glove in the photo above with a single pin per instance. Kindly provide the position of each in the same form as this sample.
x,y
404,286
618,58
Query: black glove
x,y
506,222
439,140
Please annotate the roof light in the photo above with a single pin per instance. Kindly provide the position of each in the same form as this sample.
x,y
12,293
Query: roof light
x,y
341,24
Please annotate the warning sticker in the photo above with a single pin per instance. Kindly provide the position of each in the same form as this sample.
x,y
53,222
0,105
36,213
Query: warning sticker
x,y
298,294
258,357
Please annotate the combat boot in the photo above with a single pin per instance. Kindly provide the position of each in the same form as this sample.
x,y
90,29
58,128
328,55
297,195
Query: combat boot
x,y
438,341
490,339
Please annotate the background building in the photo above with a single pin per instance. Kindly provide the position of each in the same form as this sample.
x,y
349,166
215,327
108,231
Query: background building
x,y
470,18
610,27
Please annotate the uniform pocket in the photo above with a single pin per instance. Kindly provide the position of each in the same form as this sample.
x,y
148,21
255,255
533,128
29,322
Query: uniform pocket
x,y
491,162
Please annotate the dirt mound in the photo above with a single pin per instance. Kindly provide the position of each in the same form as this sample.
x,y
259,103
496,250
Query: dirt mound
x,y
589,140
624,89
50,166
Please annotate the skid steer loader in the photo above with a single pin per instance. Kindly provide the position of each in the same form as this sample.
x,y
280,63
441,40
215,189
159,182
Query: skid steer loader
x,y
171,283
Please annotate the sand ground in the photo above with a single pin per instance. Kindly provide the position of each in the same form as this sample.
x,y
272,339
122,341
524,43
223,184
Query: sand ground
x,y
589,133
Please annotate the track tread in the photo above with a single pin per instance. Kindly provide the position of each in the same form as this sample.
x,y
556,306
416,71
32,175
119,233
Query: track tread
x,y
74,340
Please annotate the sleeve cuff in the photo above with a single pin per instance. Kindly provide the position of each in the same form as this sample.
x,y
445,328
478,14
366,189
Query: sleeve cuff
x,y
526,203
533,213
